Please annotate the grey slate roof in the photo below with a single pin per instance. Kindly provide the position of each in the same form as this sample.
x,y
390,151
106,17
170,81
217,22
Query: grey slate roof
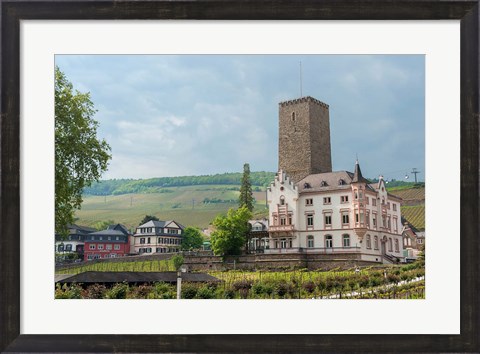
x,y
113,230
135,277
331,180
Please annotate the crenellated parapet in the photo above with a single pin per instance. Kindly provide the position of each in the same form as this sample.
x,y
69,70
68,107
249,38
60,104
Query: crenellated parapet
x,y
303,100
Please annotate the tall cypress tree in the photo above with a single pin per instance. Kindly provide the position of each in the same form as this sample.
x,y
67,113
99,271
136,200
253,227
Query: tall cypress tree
x,y
246,195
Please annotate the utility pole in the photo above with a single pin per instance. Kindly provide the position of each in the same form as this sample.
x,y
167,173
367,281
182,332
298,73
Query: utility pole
x,y
414,172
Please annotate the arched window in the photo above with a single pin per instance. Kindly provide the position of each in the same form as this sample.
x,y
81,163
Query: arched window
x,y
375,242
310,242
369,242
390,245
328,241
346,240
282,200
396,246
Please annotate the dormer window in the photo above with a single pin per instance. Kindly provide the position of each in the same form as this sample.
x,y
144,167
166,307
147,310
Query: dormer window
x,y
323,184
306,185
341,182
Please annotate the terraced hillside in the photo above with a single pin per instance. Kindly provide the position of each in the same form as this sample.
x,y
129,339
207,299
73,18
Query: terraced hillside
x,y
410,196
415,215
413,205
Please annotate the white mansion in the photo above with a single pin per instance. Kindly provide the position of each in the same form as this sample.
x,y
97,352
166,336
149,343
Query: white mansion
x,y
315,210
334,212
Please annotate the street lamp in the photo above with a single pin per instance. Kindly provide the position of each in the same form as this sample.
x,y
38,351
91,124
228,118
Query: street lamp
x,y
180,270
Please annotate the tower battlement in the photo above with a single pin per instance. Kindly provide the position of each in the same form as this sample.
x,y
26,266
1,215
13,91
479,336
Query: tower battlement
x,y
302,100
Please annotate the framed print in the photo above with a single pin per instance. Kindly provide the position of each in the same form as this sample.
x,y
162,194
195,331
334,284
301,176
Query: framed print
x,y
38,35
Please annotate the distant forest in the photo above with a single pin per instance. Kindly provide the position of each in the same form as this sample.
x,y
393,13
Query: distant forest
x,y
159,185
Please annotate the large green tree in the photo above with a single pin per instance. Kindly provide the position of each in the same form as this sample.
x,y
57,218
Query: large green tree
x,y
80,156
246,195
230,231
192,238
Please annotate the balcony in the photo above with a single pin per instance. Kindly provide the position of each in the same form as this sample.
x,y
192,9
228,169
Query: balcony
x,y
281,228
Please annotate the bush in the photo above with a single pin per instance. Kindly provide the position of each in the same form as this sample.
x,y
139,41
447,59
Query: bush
x,y
244,284
309,286
95,291
118,291
189,291
139,292
206,292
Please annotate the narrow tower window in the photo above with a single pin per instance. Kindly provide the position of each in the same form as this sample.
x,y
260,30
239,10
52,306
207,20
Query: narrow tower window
x,y
293,116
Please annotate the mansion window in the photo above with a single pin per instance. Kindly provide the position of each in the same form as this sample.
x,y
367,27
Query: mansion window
x,y
68,248
148,240
344,199
92,247
367,200
374,202
282,200
390,245
328,241
395,225
327,200
369,242
309,220
61,248
374,220
116,247
117,238
328,220
142,240
283,221
396,246
100,247
419,241
173,231
345,219
309,201
360,195
310,242
384,221
375,242
394,206
108,247
346,240
355,194
367,221
389,223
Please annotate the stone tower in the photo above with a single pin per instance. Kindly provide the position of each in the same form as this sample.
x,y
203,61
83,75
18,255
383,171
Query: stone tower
x,y
304,138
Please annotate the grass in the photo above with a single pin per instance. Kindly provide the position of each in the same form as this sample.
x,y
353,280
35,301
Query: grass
x,y
182,204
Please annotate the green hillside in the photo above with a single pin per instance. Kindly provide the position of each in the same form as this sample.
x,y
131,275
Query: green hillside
x,y
189,205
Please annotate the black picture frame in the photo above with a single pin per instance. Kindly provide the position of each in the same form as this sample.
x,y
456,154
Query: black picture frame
x,y
12,12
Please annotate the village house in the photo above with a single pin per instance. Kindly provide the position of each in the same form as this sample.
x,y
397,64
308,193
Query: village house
x,y
157,237
74,242
257,238
110,243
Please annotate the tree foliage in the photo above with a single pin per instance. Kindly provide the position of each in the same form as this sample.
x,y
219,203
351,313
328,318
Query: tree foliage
x,y
148,218
103,225
161,184
192,238
80,157
177,261
246,195
231,231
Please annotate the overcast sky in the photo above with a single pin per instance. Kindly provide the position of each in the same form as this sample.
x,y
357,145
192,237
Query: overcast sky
x,y
177,115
